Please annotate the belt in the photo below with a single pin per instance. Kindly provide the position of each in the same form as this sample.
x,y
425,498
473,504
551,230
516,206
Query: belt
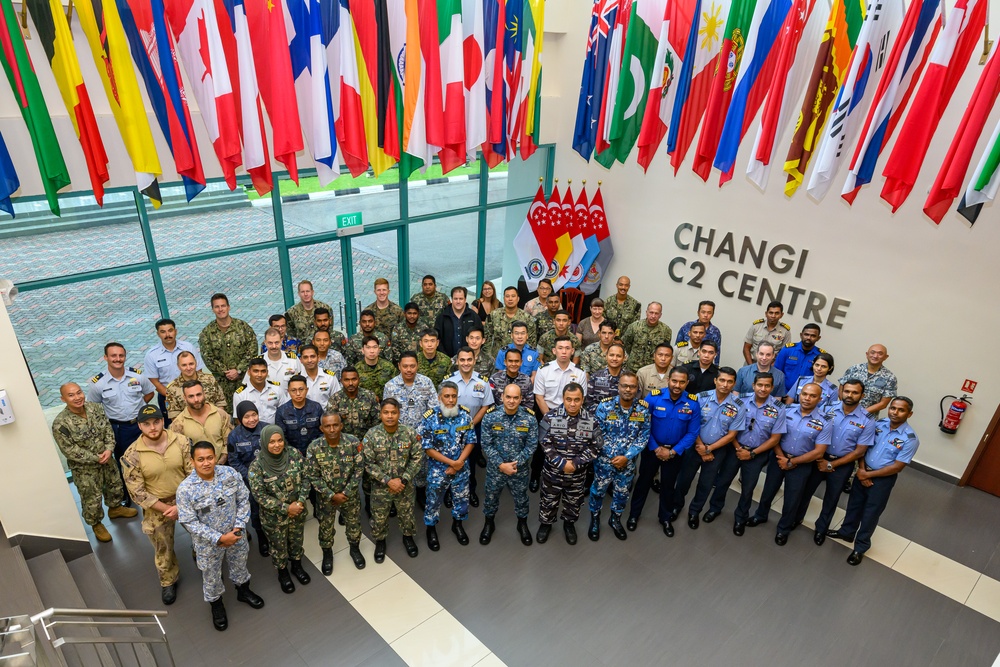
x,y
830,457
118,422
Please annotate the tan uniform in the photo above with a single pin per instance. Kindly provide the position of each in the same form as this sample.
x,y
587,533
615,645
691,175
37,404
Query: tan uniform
x,y
151,476
215,430
780,335
175,393
650,379
684,354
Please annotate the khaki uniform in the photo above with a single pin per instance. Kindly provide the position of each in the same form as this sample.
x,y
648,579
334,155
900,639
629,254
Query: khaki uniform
x,y
233,348
149,477
437,369
358,414
641,340
301,323
82,439
386,318
622,314
498,326
649,379
684,354
215,430
175,394
781,335
547,342
335,470
373,378
429,308
389,456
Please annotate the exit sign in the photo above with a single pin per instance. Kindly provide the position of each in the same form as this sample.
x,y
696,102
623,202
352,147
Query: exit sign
x,y
349,223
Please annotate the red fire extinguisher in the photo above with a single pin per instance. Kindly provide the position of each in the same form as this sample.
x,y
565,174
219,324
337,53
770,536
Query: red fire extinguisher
x,y
950,422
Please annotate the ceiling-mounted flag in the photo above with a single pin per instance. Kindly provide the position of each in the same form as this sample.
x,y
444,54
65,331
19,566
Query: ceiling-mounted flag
x,y
9,183
342,56
595,74
985,180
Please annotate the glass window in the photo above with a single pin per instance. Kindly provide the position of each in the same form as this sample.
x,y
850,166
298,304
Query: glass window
x,y
62,330
431,192
374,256
215,219
502,226
36,244
445,248
517,179
308,208
321,265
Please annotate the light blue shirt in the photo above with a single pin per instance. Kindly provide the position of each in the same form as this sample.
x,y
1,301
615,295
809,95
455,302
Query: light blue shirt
x,y
161,363
830,391
473,394
718,419
891,445
762,421
805,432
122,398
745,379
850,430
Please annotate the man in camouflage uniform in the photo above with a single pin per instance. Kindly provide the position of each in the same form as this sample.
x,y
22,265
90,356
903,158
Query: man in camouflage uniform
x,y
430,301
430,362
512,374
544,322
393,457
499,322
642,337
154,466
300,320
594,356
604,383
373,369
416,395
622,309
483,363
84,436
387,313
213,505
323,320
509,438
335,464
187,363
359,411
624,422
329,359
570,439
227,345
560,328
366,327
447,437
406,334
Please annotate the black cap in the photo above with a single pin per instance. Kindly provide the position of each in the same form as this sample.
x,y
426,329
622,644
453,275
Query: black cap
x,y
147,412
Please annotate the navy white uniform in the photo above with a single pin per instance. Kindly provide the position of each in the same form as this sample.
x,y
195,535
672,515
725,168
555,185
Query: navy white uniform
x,y
323,386
267,399
626,433
283,369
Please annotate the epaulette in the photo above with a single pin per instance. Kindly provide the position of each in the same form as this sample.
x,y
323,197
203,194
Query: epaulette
x,y
97,377
530,411
428,413
785,325
760,321
462,407
693,397
789,344
683,343
135,370
491,409
272,382
239,389
821,350
643,402
655,392
609,398
329,372
291,355
738,401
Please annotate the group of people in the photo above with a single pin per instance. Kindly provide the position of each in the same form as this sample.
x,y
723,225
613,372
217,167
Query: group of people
x,y
400,416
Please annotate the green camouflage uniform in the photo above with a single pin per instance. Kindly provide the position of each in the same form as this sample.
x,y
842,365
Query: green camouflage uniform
x,y
274,495
404,338
358,414
233,348
542,324
622,314
429,308
336,470
390,456
373,378
593,359
640,342
175,394
437,369
498,326
82,439
386,318
548,341
300,322
352,351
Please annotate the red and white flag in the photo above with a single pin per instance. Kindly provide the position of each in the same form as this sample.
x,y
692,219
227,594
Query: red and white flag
x,y
475,75
345,88
531,242
453,151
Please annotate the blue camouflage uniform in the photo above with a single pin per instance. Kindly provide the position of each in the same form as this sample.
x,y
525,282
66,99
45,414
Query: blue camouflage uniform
x,y
300,425
626,433
241,449
600,385
795,362
508,438
449,436
208,509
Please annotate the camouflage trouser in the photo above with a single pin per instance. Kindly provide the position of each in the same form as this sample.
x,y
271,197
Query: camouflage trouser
x,y
438,484
518,485
209,558
350,509
93,483
382,500
160,531
606,475
285,535
557,485
228,388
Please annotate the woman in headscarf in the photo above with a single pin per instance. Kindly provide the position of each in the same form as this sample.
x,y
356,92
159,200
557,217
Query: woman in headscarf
x,y
242,447
279,483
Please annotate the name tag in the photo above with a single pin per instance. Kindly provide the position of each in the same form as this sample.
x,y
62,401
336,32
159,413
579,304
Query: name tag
x,y
521,429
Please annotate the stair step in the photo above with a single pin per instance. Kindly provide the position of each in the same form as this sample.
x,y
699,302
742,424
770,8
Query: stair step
x,y
99,592
18,594
57,588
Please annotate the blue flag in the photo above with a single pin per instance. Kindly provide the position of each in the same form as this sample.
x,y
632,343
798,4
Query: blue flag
x,y
595,75
9,182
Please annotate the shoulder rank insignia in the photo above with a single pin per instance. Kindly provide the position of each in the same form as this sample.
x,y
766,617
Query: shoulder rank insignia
x,y
693,397
683,343
760,321
491,409
609,398
737,400
821,350
785,325
272,382
328,371
530,411
655,392
239,389
643,402
291,355
428,413
135,370
789,344
462,407
97,377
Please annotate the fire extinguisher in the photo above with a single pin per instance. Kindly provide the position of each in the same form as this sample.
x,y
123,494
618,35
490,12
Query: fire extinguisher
x,y
949,423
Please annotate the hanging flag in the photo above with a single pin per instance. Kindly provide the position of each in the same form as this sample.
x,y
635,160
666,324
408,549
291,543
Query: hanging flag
x,y
375,79
595,72
829,70
909,55
453,151
528,97
28,95
948,61
581,216
507,74
9,182
527,242
493,29
982,186
571,267
616,52
397,33
473,36
153,53
867,62
755,73
599,222
423,117
801,30
671,48
342,58
951,179
697,72
57,41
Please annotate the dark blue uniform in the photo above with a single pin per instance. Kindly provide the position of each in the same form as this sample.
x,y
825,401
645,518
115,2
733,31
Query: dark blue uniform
x,y
301,425
795,362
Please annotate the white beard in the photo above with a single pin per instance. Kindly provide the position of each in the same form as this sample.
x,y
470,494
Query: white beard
x,y
449,412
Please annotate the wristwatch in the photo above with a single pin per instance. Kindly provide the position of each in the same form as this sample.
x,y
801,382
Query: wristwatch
x,y
829,467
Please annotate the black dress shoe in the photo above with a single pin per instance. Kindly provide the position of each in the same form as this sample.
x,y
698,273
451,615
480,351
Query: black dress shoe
x,y
710,516
432,538
410,545
244,594
655,486
543,533
781,539
524,532
819,537
300,573
594,533
569,530
473,499
327,568
459,531
263,545
533,485
380,551
632,523
673,516
836,534
285,581
488,528
693,521
168,594
357,557
755,521
668,529
615,523
855,558
739,529
219,619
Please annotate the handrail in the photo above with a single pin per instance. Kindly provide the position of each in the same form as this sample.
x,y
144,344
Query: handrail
x,y
127,613
57,617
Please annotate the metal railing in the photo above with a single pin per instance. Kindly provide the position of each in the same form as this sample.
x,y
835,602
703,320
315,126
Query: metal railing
x,y
91,622
17,642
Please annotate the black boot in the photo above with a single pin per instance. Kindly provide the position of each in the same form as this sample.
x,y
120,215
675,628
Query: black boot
x,y
410,545
569,530
285,580
615,523
473,498
244,594
380,551
595,526
456,527
392,510
432,538
262,544
524,532
421,497
299,573
327,562
357,557
488,528
543,533
219,619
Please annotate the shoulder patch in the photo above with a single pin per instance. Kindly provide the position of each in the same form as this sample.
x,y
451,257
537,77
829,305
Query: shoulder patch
x,y
760,321
609,398
821,350
462,407
789,344
291,355
683,343
491,409
135,370
643,403
272,382
785,325
530,411
239,389
693,397
328,371
426,414
655,392
97,377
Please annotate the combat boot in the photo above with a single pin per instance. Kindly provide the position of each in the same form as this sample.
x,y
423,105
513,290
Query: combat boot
x,y
357,557
432,538
595,526
456,527
219,619
244,594
301,574
524,532
615,523
101,533
410,545
379,551
285,580
543,533
569,530
119,512
488,528
262,544
327,562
